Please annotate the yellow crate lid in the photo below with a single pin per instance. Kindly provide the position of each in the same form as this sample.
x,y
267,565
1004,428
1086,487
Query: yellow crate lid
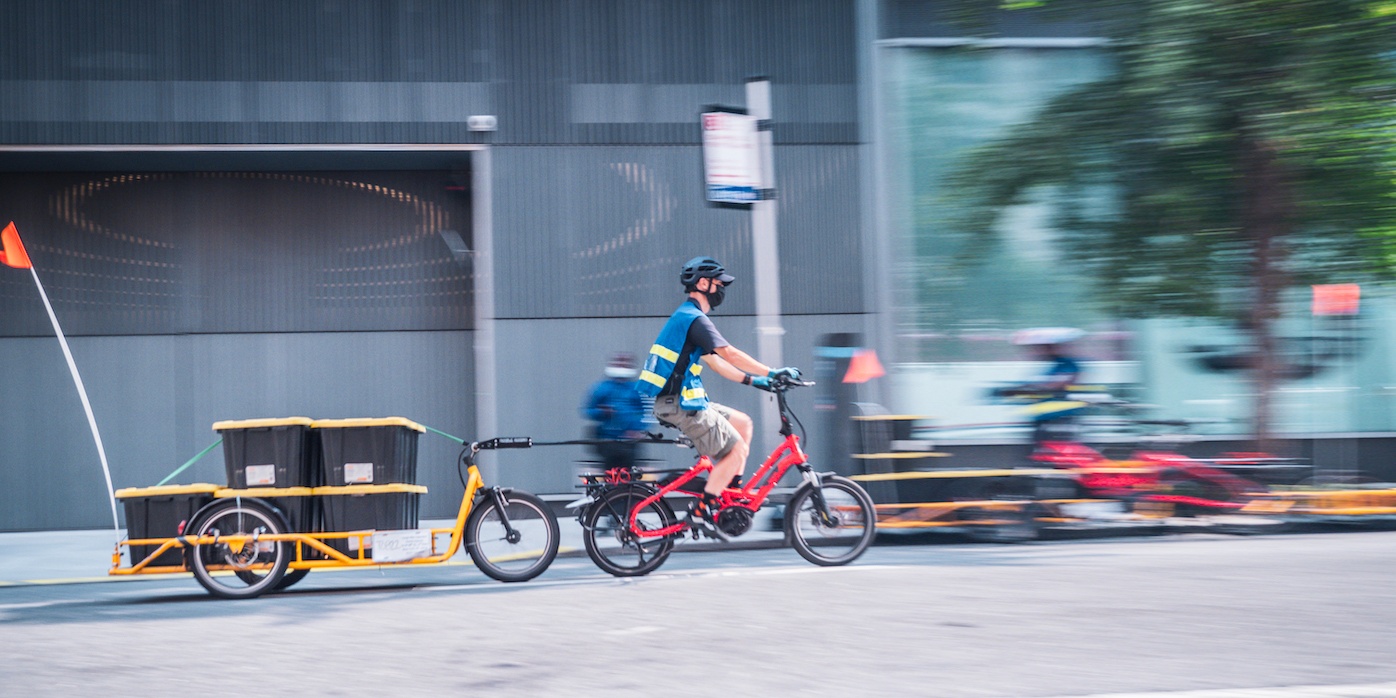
x,y
165,490
262,423
370,489
228,493
367,422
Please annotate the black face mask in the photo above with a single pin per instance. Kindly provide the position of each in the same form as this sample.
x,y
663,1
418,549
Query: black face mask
x,y
715,297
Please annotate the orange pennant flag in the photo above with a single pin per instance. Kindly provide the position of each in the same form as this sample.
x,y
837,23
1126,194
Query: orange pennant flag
x,y
1336,299
13,253
864,367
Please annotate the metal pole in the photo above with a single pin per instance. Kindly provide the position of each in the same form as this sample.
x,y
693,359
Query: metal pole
x,y
766,255
82,394
877,270
486,383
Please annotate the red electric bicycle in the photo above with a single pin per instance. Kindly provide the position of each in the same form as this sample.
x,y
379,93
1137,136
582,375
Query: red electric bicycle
x,y
830,520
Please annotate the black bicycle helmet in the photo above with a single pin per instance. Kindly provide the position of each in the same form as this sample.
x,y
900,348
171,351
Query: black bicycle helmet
x,y
703,268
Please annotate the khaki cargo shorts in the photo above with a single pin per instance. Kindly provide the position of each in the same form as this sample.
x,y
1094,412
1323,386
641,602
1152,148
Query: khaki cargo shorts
x,y
712,435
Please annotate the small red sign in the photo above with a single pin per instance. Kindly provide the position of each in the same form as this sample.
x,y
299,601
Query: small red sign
x,y
1336,299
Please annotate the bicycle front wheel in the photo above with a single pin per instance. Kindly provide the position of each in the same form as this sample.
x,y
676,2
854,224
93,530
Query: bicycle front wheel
x,y
832,524
514,543
613,546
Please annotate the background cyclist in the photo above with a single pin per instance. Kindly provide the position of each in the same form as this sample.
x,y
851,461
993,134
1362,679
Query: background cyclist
x,y
1053,410
672,376
617,412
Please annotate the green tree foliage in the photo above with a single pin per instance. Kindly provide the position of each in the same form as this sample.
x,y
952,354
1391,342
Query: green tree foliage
x,y
1243,146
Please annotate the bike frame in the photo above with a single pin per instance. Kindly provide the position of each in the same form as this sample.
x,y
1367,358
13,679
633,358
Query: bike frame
x,y
750,496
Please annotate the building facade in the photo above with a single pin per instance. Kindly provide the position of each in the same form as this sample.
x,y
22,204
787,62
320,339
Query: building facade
x,y
267,209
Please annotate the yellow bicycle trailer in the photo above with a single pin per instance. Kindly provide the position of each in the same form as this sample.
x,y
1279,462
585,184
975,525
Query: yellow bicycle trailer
x,y
249,541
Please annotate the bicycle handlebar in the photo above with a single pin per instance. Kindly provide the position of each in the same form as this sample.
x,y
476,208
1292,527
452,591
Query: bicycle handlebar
x,y
503,442
782,384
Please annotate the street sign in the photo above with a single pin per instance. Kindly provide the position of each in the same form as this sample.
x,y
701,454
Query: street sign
x,y
731,156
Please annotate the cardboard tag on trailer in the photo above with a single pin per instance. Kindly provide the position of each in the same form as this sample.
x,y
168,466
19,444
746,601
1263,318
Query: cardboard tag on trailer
x,y
400,546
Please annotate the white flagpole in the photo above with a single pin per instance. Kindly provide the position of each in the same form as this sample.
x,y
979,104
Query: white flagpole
x,y
82,393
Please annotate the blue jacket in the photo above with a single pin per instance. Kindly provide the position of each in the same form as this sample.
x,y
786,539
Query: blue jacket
x,y
615,407
664,356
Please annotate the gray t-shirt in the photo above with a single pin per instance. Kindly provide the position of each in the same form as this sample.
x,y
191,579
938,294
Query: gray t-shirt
x,y
701,334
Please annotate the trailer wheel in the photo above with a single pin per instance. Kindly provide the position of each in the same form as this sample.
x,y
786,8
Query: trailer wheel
x,y
244,567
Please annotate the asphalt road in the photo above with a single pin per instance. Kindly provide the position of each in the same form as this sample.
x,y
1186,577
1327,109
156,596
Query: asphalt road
x,y
1196,612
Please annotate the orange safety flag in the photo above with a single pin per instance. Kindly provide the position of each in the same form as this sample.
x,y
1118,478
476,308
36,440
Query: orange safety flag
x,y
13,253
1336,299
864,367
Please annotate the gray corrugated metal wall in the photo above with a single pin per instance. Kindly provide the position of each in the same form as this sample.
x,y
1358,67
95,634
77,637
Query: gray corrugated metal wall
x,y
601,232
269,71
597,198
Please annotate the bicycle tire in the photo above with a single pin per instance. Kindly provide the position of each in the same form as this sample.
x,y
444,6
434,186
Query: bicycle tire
x,y
290,578
519,560
851,501
240,518
609,542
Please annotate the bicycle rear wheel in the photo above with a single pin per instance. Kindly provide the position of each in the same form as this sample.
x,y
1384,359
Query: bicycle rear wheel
x,y
245,567
842,535
610,542
517,556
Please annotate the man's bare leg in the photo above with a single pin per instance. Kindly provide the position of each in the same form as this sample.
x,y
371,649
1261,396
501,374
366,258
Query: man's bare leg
x,y
732,464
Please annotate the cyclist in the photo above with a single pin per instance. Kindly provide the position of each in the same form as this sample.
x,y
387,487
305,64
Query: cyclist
x,y
1052,409
617,411
671,376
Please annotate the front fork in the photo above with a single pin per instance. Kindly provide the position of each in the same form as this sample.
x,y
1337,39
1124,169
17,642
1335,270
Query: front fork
x,y
499,496
821,507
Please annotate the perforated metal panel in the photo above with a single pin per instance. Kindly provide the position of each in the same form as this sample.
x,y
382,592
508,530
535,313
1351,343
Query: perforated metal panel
x,y
206,252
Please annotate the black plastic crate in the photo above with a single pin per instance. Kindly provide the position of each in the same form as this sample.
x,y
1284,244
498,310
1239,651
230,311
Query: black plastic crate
x,y
270,452
157,512
391,507
368,451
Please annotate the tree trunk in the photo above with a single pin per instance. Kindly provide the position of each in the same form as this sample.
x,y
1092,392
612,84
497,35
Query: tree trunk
x,y
1265,221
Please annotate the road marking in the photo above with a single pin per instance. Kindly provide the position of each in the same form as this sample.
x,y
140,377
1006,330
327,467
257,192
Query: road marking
x,y
603,579
1370,690
157,576
638,630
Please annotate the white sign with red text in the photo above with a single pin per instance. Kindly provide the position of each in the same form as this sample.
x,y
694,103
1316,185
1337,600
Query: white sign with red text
x,y
731,157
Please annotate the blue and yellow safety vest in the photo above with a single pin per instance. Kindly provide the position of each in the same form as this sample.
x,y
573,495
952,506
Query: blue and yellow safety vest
x,y
664,356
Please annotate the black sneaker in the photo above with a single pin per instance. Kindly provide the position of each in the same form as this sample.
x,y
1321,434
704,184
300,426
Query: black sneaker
x,y
701,517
